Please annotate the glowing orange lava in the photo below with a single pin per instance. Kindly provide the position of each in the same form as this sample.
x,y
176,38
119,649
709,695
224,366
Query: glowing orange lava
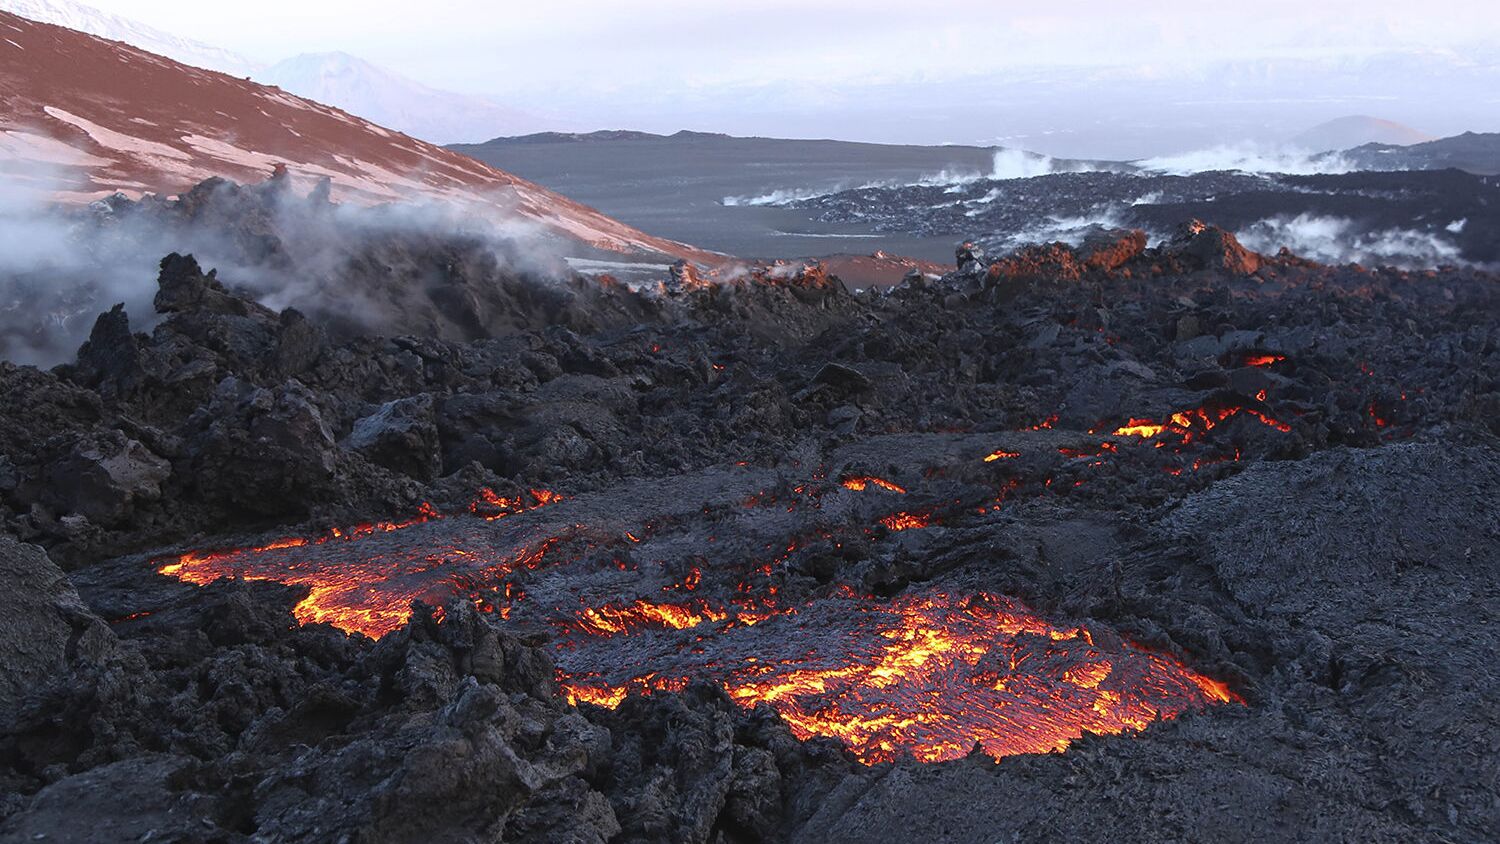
x,y
860,484
932,675
1186,426
614,619
1264,360
906,521
1143,428
370,593
493,506
1002,455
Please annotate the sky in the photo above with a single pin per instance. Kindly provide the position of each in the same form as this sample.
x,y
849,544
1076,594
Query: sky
x,y
906,70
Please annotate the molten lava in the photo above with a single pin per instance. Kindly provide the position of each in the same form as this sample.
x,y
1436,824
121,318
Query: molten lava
x,y
906,521
1187,426
931,674
860,484
371,591
1143,428
614,619
1264,360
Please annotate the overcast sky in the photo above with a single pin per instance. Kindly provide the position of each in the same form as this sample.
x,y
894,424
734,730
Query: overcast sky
x,y
663,61
477,45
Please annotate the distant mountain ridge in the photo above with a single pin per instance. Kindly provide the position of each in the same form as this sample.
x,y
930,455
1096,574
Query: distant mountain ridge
x,y
1473,152
600,135
392,100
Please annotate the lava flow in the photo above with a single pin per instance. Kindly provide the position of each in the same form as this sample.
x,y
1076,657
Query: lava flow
x,y
371,590
863,483
931,674
1186,426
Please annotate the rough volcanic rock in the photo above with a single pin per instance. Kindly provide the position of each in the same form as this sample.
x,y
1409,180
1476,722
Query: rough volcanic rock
x,y
671,773
110,361
44,628
1109,250
299,343
185,287
106,478
1210,247
130,800
969,257
1052,262
266,450
35,406
452,773
475,428
1380,215
401,436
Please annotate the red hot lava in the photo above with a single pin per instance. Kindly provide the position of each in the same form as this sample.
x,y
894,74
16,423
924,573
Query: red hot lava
x,y
932,674
1187,426
906,521
371,592
1264,360
860,484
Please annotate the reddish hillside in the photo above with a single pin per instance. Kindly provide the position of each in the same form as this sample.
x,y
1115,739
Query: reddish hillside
x,y
82,118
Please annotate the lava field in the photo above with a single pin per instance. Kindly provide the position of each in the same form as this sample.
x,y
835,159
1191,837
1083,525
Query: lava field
x,y
1415,218
1114,542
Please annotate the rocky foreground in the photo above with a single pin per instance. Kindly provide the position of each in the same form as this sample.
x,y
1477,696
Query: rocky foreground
x,y
1270,474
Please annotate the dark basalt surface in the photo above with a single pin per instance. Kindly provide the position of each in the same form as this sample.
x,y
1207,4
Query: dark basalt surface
x,y
1340,572
1475,152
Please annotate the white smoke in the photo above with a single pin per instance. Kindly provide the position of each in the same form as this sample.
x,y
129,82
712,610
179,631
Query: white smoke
x,y
1249,158
1019,164
1336,240
52,275
1069,230
61,266
1008,165
783,196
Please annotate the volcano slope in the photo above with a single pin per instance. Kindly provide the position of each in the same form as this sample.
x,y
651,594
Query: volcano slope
x,y
1107,543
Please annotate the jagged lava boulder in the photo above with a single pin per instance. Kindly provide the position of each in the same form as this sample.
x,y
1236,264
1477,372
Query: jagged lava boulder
x,y
45,628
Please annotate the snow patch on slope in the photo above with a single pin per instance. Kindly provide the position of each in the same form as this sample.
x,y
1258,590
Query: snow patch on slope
x,y
117,141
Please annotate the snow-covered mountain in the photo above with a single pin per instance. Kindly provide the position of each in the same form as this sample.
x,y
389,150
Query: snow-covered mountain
x,y
383,97
105,25
82,118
